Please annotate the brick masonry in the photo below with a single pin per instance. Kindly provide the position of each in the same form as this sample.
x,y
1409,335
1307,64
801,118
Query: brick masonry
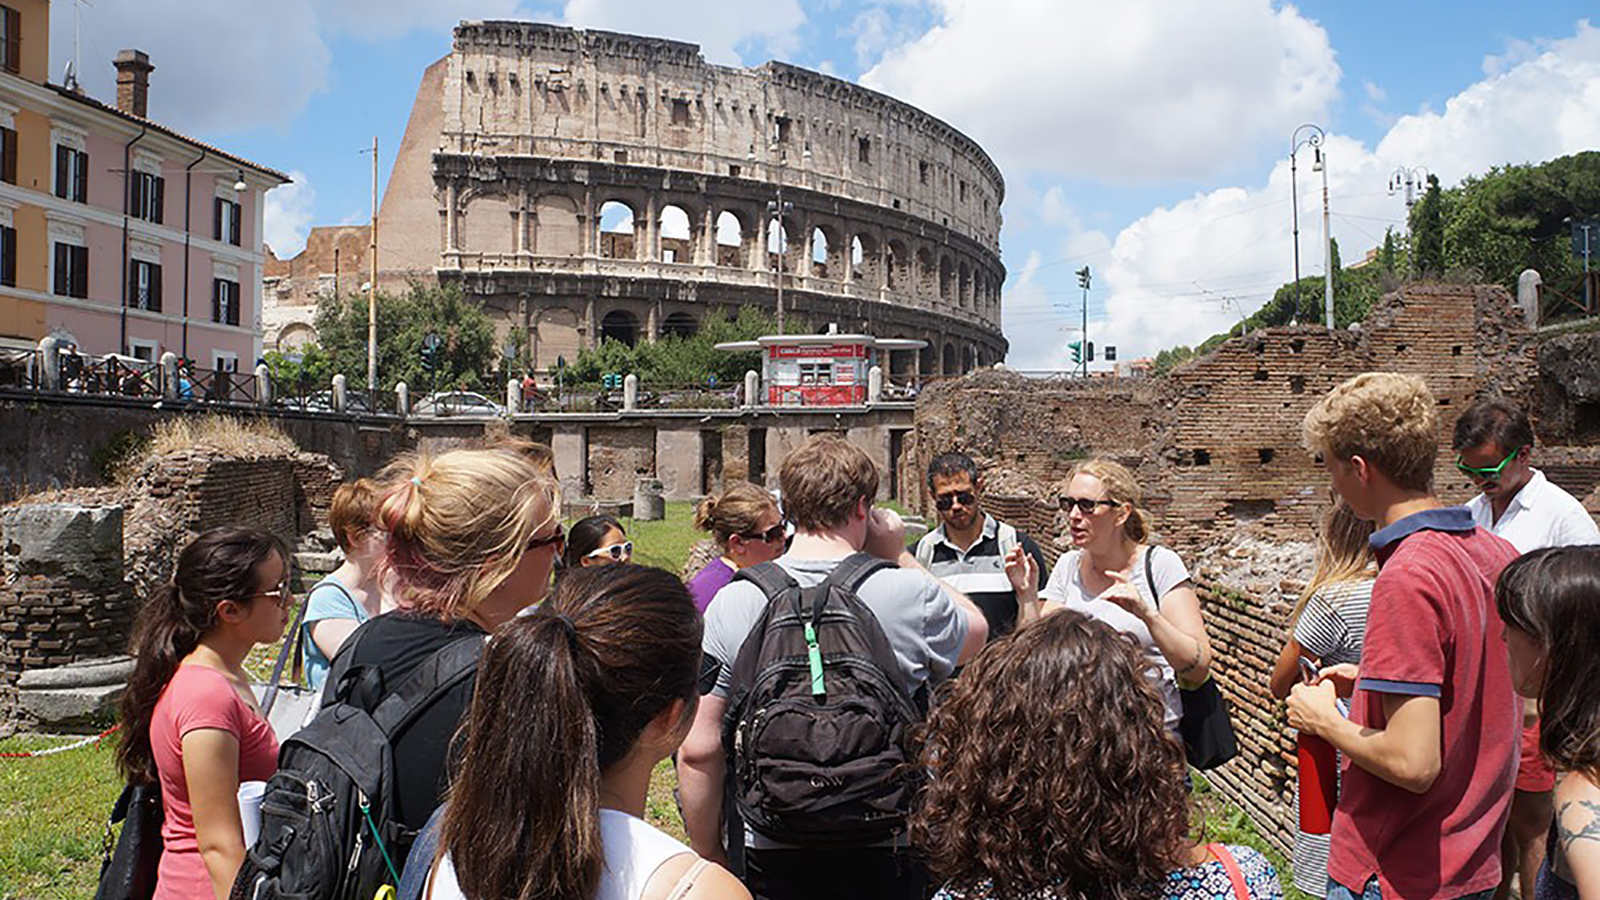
x,y
1216,447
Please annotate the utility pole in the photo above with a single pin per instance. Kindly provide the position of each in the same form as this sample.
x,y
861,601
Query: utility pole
x,y
372,288
1313,138
1083,282
1327,241
783,247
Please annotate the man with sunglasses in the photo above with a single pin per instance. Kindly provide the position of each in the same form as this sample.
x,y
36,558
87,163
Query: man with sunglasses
x,y
968,549
1494,444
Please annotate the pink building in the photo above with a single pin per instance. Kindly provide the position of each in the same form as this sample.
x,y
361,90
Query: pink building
x,y
117,233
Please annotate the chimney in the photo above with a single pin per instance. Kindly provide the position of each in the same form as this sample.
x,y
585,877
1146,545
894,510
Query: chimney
x,y
133,82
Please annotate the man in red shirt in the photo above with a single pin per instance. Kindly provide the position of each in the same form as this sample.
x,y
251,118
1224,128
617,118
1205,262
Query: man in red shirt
x,y
1431,744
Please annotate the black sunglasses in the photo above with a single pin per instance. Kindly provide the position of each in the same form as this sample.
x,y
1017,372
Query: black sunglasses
x,y
559,538
1084,504
775,533
944,501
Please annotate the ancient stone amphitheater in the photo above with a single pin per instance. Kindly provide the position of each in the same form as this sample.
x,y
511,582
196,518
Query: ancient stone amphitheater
x,y
586,184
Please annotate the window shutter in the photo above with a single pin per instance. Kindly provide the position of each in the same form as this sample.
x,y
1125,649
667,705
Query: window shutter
x,y
133,285
137,201
8,250
61,170
158,199
216,300
80,272
233,226
81,176
233,306
155,288
8,148
13,40
216,218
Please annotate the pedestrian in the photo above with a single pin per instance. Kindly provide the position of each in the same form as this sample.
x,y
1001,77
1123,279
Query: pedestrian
x,y
189,717
748,529
576,704
1114,574
1051,774
597,541
1494,441
838,830
1547,601
1326,628
969,547
1431,741
354,592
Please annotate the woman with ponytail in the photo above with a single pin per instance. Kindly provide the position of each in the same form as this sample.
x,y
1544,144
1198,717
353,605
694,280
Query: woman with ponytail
x,y
575,705
189,717
1115,575
472,538
748,529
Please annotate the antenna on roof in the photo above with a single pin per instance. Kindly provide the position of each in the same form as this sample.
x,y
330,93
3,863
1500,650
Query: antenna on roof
x,y
69,78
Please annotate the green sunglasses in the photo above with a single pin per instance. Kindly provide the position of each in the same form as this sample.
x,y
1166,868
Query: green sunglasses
x,y
1490,474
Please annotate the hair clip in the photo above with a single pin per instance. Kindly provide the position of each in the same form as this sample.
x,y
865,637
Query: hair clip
x,y
417,482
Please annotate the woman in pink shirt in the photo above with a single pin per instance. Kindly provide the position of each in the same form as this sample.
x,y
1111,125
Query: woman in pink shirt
x,y
189,717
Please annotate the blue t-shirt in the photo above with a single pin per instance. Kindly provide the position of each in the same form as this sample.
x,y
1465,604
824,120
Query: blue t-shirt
x,y
329,599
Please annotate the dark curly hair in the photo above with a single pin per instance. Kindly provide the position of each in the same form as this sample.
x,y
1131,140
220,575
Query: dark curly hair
x,y
1050,770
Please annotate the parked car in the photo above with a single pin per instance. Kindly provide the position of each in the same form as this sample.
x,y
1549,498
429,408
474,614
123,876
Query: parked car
x,y
458,403
322,401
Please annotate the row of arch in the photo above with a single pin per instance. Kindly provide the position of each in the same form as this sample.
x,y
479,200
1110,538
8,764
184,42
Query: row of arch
x,y
484,227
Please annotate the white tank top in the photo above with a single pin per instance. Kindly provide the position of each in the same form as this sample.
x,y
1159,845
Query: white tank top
x,y
633,848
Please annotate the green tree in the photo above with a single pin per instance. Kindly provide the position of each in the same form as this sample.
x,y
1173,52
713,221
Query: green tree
x,y
467,355
1427,231
680,361
1389,255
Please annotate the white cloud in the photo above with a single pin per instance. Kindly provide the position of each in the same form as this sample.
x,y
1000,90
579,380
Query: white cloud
x,y
287,215
1165,275
234,65
720,27
1116,90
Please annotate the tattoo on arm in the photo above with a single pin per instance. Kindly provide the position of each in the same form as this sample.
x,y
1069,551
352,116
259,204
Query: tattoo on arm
x,y
1590,831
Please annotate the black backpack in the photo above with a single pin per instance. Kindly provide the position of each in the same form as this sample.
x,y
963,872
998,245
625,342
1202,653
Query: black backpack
x,y
327,826
817,724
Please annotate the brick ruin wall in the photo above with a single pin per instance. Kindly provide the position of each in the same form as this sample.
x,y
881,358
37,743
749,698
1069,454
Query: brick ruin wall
x,y
1216,448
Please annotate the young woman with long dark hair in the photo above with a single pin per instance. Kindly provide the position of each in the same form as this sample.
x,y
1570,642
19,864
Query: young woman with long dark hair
x,y
189,717
597,541
1547,602
1051,774
575,705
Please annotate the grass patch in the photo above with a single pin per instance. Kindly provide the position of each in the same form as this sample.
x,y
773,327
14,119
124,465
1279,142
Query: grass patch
x,y
1220,821
238,438
53,818
665,543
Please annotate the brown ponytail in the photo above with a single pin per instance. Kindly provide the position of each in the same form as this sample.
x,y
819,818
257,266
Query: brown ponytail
x,y
738,510
561,696
216,566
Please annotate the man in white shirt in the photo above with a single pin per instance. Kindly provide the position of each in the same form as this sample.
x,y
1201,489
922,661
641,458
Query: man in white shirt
x,y
1494,443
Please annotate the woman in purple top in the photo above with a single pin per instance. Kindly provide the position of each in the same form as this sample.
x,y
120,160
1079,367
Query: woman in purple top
x,y
748,529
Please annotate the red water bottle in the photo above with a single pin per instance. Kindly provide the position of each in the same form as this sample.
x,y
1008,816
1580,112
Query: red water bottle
x,y
1319,783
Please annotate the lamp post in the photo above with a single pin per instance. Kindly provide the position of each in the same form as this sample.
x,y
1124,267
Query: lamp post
x,y
777,209
1313,138
1408,178
372,295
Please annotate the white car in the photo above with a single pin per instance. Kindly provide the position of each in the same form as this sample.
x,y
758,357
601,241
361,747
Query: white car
x,y
458,403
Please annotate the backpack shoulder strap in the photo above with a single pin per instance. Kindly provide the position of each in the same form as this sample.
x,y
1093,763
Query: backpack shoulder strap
x,y
1150,574
446,668
1241,889
340,679
855,569
769,577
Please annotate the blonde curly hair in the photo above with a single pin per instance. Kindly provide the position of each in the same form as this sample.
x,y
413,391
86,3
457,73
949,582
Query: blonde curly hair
x,y
1387,419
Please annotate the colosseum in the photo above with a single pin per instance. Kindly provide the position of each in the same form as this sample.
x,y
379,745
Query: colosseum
x,y
586,185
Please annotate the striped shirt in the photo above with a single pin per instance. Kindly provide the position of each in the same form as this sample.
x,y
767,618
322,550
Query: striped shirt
x,y
980,572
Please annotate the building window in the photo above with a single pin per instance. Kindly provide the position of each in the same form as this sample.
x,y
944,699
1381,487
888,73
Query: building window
x,y
227,221
72,174
149,196
72,271
8,256
225,361
10,40
816,373
782,131
963,191
225,301
144,286
145,350
864,150
680,112
922,171
8,155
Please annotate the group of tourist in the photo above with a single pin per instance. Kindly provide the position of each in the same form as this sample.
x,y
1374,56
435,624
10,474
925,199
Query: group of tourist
x,y
853,716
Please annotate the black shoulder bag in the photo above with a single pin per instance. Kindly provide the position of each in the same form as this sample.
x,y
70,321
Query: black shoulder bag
x,y
128,870
1208,739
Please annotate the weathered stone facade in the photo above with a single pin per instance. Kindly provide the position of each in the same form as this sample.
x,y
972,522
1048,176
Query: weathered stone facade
x,y
525,138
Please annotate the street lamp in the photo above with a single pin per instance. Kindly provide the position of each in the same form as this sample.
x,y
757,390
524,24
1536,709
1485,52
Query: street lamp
x,y
1314,138
1408,178
778,208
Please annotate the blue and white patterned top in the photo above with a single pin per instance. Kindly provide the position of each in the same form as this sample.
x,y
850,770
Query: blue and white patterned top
x,y
1206,881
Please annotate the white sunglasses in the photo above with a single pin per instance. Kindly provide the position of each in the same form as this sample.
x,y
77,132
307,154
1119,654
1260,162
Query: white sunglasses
x,y
618,552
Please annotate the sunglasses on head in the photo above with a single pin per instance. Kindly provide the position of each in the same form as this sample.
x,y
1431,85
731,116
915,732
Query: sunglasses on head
x,y
1489,474
945,501
557,537
1085,505
618,552
776,533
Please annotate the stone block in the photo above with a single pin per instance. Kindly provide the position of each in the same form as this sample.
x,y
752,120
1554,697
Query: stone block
x,y
679,454
70,709
62,540
108,670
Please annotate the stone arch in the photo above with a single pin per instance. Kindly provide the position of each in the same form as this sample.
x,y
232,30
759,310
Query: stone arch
x,y
928,360
615,235
826,247
927,273
952,363
969,359
681,324
787,244
294,337
898,263
620,325
555,335
866,259
487,225
947,277
677,234
730,239
964,286
555,229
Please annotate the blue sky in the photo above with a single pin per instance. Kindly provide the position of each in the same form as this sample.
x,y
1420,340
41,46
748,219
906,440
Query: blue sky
x,y
1146,139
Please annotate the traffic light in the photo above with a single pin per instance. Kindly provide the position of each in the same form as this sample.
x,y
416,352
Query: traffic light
x,y
1077,352
1111,353
611,380
1083,278
1091,351
430,358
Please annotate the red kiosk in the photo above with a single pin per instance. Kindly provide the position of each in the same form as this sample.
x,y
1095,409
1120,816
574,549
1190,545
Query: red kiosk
x,y
819,369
